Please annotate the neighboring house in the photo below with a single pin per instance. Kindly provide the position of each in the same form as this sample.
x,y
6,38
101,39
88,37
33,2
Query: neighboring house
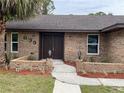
x,y
97,38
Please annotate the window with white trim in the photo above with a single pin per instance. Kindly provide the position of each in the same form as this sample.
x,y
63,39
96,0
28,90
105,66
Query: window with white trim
x,y
93,44
14,42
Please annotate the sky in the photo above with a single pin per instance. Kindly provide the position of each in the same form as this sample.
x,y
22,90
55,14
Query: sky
x,y
84,7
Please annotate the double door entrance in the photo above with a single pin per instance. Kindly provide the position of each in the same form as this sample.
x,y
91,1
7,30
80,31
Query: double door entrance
x,y
52,45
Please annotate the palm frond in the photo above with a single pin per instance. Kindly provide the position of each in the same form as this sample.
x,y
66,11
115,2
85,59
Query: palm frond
x,y
19,9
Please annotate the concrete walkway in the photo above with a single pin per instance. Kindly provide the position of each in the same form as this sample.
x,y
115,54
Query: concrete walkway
x,y
67,79
60,86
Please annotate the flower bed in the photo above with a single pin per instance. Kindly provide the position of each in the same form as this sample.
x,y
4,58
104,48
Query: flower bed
x,y
70,63
102,75
22,63
25,72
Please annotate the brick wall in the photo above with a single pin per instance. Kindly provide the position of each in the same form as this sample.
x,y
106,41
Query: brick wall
x,y
28,42
23,63
115,46
2,32
100,67
74,41
111,46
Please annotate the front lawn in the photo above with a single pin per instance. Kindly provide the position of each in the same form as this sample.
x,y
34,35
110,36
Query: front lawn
x,y
101,89
14,83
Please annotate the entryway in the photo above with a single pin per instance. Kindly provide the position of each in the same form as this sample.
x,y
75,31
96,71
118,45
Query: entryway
x,y
52,45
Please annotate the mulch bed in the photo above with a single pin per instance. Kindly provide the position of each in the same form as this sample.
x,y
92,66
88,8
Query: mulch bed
x,y
96,75
35,72
72,63
25,72
101,75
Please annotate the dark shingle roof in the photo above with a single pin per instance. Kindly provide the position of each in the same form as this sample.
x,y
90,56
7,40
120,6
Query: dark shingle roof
x,y
68,22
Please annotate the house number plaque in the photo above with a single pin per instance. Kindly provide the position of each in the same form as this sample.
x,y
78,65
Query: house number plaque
x,y
34,42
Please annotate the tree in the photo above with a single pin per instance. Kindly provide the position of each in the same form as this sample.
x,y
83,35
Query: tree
x,y
48,7
16,9
100,14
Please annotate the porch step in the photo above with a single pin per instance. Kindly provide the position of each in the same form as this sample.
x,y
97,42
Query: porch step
x,y
57,62
64,69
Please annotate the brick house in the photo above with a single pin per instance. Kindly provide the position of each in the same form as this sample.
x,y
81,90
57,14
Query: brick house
x,y
96,38
2,52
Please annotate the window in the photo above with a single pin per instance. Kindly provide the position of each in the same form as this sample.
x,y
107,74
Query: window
x,y
5,43
93,44
14,42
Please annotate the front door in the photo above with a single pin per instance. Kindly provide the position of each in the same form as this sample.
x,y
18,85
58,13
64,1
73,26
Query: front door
x,y
52,45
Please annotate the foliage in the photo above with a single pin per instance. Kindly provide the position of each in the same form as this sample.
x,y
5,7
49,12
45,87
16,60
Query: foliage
x,y
100,14
105,60
32,56
48,7
7,58
23,9
79,54
91,59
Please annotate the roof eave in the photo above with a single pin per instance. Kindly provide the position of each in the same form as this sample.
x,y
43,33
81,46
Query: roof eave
x,y
113,27
51,30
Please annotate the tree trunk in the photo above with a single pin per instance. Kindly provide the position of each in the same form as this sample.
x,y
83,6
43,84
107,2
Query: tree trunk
x,y
2,50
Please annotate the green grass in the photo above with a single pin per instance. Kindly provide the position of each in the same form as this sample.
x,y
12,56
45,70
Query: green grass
x,y
100,89
14,83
